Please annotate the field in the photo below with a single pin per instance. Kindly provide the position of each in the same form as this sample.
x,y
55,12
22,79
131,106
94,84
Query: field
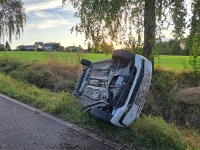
x,y
170,107
174,63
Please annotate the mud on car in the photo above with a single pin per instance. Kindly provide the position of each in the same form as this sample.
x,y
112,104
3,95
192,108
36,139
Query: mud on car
x,y
114,90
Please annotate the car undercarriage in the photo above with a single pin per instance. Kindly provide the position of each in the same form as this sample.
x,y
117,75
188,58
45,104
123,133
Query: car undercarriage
x,y
114,90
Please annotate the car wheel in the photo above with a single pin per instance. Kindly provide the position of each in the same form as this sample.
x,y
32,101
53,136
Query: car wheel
x,y
85,62
122,54
100,114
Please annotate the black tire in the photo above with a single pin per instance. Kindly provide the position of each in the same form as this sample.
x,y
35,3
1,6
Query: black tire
x,y
85,62
100,114
122,54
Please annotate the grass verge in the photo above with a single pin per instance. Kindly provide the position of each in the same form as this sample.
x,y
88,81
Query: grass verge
x,y
147,132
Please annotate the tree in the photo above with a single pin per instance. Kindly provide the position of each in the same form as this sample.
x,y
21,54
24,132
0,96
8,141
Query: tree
x,y
7,46
95,47
12,18
133,46
61,48
115,19
89,47
194,37
186,42
55,46
2,47
36,44
106,48
39,44
80,48
172,47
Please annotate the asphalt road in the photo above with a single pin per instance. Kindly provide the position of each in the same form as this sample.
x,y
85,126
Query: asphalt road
x,y
25,128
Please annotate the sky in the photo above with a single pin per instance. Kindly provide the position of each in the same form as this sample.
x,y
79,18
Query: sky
x,y
49,21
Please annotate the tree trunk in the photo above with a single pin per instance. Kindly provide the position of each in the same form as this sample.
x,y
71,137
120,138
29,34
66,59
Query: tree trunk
x,y
149,29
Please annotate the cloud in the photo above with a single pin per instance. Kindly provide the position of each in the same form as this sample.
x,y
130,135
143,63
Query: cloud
x,y
42,14
46,24
53,23
42,5
36,5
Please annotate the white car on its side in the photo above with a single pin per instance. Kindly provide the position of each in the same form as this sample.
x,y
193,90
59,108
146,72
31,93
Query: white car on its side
x,y
114,90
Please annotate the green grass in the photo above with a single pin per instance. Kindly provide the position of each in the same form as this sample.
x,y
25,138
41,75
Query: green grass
x,y
174,63
44,56
147,132
51,102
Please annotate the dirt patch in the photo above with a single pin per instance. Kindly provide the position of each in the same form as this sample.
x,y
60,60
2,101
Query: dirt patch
x,y
190,95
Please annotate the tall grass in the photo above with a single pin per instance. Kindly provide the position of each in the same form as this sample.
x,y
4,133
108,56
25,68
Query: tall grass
x,y
148,132
45,100
54,75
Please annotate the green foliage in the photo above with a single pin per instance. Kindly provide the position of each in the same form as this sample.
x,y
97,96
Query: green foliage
x,y
154,131
194,37
114,20
95,47
40,49
55,46
89,47
40,78
167,103
133,46
178,11
47,75
2,48
51,102
147,132
7,46
12,22
165,62
194,52
186,42
10,65
39,46
106,48
172,47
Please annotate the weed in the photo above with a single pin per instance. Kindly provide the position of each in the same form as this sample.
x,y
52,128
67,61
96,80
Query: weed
x,y
154,131
165,100
54,75
191,137
147,132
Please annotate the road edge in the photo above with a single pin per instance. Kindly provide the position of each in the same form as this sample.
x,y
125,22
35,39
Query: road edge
x,y
68,124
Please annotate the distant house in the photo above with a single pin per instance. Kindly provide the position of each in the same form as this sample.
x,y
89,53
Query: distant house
x,y
27,47
72,48
48,46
